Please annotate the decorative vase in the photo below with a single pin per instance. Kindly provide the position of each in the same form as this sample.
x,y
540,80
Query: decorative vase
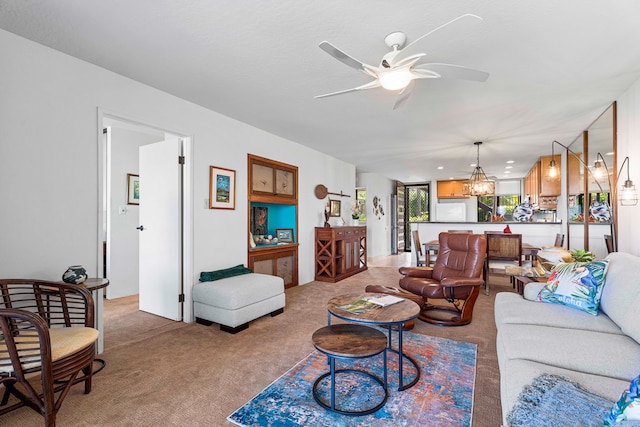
x,y
355,222
75,274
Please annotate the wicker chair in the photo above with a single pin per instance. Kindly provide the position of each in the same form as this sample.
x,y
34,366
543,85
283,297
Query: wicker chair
x,y
47,344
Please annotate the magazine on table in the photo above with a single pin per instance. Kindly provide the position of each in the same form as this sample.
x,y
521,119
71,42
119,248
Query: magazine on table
x,y
365,304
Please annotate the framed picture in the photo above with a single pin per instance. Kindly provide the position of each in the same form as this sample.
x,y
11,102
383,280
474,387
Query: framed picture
x,y
285,235
222,188
259,224
133,189
334,207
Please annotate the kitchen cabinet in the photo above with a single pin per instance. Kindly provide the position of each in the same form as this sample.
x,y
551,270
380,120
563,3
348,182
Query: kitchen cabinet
x,y
573,168
532,183
340,252
451,189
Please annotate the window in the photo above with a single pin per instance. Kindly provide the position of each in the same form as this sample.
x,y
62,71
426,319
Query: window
x,y
506,205
492,207
361,199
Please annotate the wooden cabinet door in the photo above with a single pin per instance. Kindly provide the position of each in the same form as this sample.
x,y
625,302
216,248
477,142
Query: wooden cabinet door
x,y
272,179
573,168
282,263
451,189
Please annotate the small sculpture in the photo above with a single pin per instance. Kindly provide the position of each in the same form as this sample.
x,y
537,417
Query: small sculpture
x,y
327,211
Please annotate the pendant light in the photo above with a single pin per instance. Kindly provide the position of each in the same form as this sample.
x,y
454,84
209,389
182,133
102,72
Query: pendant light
x,y
478,184
553,173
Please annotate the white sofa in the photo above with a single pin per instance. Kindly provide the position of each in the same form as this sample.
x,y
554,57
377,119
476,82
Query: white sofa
x,y
601,352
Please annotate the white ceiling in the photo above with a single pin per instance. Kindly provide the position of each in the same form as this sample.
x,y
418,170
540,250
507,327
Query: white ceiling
x,y
554,65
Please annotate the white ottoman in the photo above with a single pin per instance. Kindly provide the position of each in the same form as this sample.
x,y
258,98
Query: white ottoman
x,y
235,301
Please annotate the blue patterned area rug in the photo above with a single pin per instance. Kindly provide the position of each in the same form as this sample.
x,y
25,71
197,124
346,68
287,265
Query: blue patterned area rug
x,y
442,397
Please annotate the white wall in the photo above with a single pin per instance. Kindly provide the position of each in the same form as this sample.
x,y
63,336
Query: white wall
x,y
378,226
49,133
629,145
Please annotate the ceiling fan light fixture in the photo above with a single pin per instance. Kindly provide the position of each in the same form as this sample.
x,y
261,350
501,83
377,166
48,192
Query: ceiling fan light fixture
x,y
396,79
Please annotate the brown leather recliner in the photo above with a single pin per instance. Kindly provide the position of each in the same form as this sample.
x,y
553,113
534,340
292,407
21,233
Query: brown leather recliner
x,y
456,278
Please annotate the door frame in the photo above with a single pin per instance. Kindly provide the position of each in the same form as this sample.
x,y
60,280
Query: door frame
x,y
187,200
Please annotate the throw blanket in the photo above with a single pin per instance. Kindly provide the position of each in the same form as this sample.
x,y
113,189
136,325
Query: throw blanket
x,y
210,276
555,401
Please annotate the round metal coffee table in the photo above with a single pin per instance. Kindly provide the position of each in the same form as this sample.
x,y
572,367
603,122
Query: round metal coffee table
x,y
392,316
348,341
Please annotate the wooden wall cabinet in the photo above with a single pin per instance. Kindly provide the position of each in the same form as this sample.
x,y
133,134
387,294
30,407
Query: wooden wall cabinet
x,y
532,183
340,252
451,189
271,181
278,261
274,183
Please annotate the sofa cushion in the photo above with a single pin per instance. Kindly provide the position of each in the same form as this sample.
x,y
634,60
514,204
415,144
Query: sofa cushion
x,y
576,284
611,355
621,293
512,308
627,407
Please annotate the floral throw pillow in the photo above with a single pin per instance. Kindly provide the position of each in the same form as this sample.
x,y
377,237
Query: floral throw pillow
x,y
627,408
576,284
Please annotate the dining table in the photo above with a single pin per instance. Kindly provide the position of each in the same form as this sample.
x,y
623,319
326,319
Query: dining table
x,y
529,251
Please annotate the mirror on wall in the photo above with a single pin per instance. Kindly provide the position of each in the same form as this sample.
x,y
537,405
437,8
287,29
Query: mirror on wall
x,y
590,211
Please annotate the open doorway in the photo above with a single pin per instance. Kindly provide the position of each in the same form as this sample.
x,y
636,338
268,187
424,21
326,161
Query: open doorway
x,y
121,258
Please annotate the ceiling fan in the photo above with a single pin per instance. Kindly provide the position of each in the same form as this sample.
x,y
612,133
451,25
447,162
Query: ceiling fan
x,y
398,70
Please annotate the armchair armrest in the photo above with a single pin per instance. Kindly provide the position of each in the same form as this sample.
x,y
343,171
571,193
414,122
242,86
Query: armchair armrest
x,y
424,272
451,282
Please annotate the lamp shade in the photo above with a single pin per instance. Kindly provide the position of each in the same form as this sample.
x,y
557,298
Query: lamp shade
x,y
628,195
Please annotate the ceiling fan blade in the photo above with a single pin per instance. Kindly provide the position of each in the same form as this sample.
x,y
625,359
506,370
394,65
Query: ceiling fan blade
x,y
344,57
450,71
441,35
370,85
404,95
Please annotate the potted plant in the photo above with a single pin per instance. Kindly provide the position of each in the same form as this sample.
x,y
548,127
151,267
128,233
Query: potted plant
x,y
580,255
356,212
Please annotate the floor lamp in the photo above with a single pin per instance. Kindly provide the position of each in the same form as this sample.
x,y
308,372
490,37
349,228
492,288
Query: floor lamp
x,y
628,195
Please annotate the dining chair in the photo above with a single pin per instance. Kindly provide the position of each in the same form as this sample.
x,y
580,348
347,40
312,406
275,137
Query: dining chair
x,y
503,250
608,241
559,240
420,260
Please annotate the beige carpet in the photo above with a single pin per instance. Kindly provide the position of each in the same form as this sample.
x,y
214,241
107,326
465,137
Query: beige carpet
x,y
163,373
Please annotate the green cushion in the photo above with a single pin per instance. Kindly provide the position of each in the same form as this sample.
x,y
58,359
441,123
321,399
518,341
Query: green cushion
x,y
210,276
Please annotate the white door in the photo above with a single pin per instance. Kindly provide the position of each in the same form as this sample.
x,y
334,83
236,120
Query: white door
x,y
160,229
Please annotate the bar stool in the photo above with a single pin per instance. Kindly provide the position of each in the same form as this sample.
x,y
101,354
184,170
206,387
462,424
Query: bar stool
x,y
349,341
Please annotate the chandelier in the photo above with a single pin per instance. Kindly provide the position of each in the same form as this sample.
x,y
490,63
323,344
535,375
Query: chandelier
x,y
478,184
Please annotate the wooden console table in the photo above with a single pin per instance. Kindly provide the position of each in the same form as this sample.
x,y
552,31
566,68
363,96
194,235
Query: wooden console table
x,y
340,252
